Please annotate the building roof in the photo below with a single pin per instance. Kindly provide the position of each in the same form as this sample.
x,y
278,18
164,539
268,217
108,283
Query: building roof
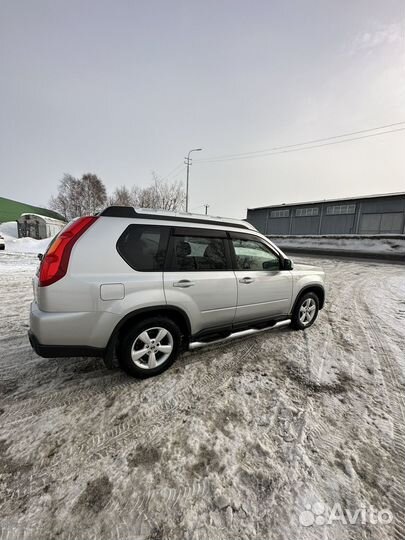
x,y
306,203
11,210
45,218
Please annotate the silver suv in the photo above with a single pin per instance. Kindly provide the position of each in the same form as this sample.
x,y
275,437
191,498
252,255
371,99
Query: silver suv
x,y
143,285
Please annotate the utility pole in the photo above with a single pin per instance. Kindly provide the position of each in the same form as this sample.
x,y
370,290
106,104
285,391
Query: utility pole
x,y
206,208
188,163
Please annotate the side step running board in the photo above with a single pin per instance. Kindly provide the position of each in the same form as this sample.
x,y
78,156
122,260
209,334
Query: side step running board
x,y
235,335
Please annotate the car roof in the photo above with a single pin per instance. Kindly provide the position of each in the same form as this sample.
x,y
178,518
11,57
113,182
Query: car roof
x,y
184,217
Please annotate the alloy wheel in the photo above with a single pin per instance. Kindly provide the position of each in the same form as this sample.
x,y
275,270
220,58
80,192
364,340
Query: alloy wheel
x,y
307,311
152,348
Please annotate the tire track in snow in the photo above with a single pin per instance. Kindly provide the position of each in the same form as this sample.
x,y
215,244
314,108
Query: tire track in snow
x,y
328,441
394,377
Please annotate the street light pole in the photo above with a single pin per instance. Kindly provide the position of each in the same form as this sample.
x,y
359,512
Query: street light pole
x,y
187,162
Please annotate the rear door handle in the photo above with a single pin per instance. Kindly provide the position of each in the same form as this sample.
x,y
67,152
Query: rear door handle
x,y
184,283
246,280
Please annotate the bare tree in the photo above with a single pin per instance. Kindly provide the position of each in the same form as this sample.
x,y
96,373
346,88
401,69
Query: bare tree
x,y
87,195
93,193
144,197
170,196
78,197
161,195
67,201
121,197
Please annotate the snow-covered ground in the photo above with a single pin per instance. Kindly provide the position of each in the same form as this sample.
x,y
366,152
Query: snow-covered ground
x,y
21,245
25,245
235,441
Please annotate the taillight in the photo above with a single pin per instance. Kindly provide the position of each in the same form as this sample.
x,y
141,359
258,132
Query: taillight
x,y
55,262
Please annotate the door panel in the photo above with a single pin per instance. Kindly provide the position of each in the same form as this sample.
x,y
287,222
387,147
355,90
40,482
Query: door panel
x,y
370,224
264,290
267,295
381,223
391,223
199,278
209,300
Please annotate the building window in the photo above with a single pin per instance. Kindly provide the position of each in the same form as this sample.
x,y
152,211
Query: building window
x,y
279,213
341,209
306,212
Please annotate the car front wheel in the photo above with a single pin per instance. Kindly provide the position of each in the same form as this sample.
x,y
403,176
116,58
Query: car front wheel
x,y
305,311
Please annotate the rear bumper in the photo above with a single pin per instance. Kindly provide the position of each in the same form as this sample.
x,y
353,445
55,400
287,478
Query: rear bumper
x,y
71,331
63,351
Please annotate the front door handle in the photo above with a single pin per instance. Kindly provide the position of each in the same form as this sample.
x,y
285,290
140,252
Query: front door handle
x,y
246,280
183,283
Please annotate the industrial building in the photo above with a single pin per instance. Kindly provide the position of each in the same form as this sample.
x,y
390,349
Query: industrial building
x,y
37,226
25,220
373,214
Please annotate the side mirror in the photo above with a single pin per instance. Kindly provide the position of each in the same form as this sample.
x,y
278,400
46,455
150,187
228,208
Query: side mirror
x,y
270,265
287,264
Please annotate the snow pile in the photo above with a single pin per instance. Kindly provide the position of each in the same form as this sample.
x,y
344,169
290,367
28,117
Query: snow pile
x,y
9,231
25,245
391,245
9,228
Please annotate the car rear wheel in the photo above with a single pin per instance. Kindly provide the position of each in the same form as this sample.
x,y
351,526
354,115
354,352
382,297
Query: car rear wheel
x,y
305,311
150,347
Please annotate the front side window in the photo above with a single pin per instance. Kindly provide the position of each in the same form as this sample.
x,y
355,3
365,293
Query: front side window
x,y
253,255
144,247
197,253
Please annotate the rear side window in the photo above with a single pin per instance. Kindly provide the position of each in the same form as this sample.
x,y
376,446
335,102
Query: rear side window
x,y
197,253
144,247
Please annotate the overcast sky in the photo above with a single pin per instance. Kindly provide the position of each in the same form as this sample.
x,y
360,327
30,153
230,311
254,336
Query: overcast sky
x,y
121,88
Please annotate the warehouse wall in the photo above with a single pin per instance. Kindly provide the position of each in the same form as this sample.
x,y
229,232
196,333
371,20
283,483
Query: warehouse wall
x,y
340,224
379,215
304,225
382,216
278,225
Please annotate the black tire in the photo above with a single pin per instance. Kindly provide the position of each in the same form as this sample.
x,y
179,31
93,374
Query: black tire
x,y
312,300
132,344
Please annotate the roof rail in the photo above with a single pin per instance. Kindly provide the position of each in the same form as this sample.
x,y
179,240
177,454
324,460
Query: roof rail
x,y
146,213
